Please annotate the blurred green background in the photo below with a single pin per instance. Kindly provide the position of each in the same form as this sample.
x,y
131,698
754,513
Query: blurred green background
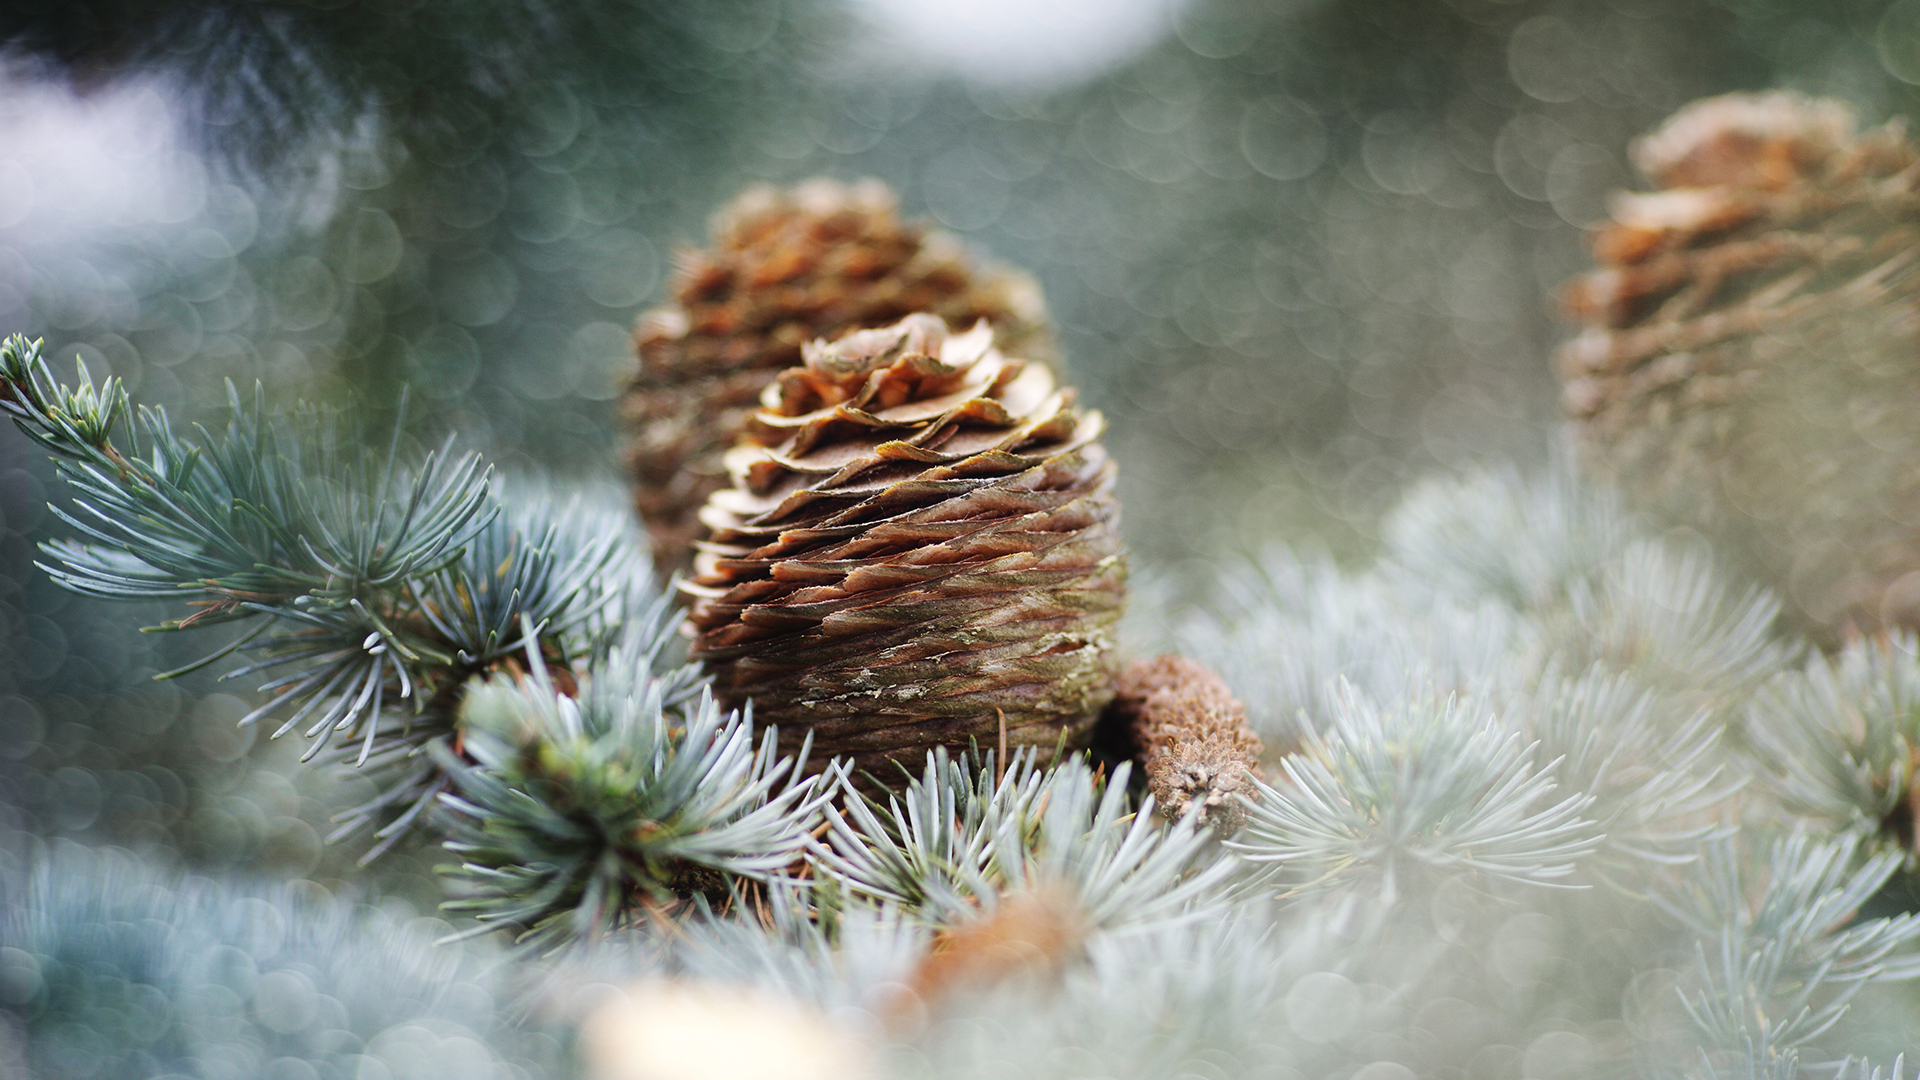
x,y
1300,251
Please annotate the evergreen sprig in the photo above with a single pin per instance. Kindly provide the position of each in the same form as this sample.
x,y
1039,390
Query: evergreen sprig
x,y
581,812
960,837
1778,960
1382,793
372,578
1556,701
275,510
285,521
1658,780
559,576
1837,737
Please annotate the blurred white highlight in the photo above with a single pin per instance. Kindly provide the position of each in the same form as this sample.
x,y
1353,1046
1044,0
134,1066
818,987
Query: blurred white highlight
x,y
1020,43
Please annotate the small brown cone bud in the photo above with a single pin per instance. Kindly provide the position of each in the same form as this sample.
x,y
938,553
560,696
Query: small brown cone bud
x,y
1031,934
932,543
785,268
1748,366
1193,736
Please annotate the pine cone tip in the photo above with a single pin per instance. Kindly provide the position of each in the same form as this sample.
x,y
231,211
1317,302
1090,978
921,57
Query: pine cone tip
x,y
785,268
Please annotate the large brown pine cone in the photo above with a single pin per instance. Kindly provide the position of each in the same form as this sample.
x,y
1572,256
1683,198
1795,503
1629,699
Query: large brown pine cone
x,y
785,268
932,551
1750,364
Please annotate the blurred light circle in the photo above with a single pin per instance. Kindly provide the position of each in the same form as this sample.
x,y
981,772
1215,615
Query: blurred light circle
x,y
842,133
305,293
1323,1007
1404,160
550,120
601,354
1557,1055
216,731
547,207
1216,30
1544,56
731,27
16,193
477,289
77,798
234,213
471,195
369,246
622,270
1281,139
1524,151
1154,158
443,362
1579,180
75,294
285,1001
1525,948
539,366
184,194
1898,41
961,193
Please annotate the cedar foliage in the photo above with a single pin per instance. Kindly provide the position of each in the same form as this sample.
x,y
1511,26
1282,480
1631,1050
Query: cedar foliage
x,y
1530,811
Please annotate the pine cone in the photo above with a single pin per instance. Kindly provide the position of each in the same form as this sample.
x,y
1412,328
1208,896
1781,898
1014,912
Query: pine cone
x,y
1749,361
932,552
786,268
1192,737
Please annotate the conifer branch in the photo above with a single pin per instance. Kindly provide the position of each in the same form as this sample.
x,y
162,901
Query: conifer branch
x,y
1836,739
1385,793
1778,960
1658,780
959,838
377,585
581,812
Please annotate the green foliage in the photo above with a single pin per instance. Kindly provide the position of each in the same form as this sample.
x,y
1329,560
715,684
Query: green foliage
x,y
1838,735
582,812
245,524
1526,689
369,577
1779,958
1385,794
959,837
285,524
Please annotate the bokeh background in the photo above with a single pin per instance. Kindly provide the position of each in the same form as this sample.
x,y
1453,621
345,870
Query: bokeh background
x,y
1300,251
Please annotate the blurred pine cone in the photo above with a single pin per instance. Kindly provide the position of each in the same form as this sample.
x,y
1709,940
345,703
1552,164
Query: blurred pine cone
x,y
785,268
931,552
1750,365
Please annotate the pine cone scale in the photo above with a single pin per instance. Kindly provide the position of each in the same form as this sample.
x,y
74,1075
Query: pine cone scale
x,y
1006,581
958,632
969,509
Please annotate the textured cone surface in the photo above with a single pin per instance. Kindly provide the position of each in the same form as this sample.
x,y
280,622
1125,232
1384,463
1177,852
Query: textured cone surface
x,y
784,269
1192,738
1750,365
931,551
